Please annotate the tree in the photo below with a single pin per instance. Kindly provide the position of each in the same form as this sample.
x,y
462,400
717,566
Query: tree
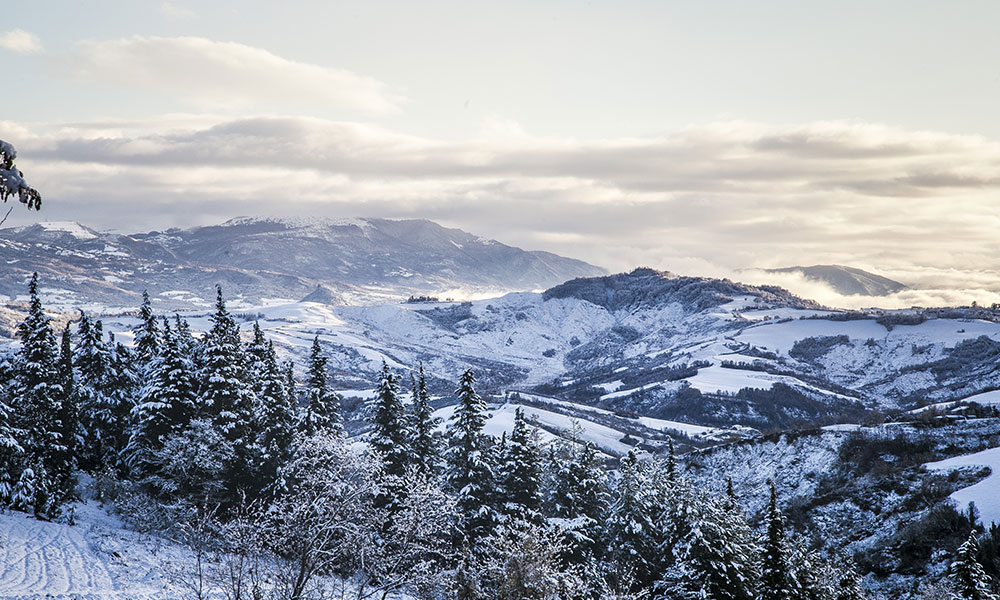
x,y
715,554
969,580
322,404
577,496
423,443
521,468
166,403
147,334
469,472
631,527
12,180
774,581
103,419
225,392
328,516
39,391
277,427
389,436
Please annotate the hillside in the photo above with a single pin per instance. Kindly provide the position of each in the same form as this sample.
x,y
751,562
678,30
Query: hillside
x,y
257,261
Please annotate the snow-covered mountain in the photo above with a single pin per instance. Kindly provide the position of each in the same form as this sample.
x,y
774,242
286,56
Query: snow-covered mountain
x,y
258,260
649,344
848,281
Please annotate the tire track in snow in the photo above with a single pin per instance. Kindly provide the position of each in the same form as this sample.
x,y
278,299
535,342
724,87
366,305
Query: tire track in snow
x,y
49,558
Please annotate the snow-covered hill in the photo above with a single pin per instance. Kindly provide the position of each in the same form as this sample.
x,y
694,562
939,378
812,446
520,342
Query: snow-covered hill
x,y
647,344
261,261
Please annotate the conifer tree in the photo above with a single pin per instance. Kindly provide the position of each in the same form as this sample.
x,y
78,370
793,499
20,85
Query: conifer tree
x,y
423,442
969,580
322,411
631,527
277,428
147,334
715,553
774,583
166,402
389,428
469,472
38,388
225,393
69,420
10,447
103,419
521,469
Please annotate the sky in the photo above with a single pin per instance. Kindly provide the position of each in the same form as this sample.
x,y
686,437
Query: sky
x,y
705,138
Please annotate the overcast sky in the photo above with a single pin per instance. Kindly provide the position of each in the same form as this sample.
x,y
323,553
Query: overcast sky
x,y
699,137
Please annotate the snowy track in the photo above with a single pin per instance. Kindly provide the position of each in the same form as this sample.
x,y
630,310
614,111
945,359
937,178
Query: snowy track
x,y
51,560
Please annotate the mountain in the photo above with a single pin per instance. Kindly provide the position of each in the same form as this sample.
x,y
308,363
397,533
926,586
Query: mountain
x,y
259,260
654,345
848,281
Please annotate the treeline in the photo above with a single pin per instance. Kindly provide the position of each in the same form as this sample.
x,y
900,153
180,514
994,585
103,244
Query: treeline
x,y
211,440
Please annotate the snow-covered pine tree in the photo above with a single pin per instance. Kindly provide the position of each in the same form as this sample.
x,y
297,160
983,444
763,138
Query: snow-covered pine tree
x,y
715,555
225,392
38,387
277,428
632,543
166,403
387,415
469,472
226,395
520,472
322,410
23,496
774,580
849,585
103,420
69,420
424,444
10,447
147,334
969,580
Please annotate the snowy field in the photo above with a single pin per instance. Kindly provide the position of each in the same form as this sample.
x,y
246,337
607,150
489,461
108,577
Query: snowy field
x,y
986,493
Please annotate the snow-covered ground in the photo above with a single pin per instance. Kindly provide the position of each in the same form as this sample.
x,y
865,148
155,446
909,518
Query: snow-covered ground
x,y
986,493
95,559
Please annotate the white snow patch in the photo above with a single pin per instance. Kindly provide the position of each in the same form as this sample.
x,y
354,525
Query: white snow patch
x,y
986,493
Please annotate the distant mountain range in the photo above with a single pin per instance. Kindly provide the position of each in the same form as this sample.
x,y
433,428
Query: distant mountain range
x,y
343,261
848,281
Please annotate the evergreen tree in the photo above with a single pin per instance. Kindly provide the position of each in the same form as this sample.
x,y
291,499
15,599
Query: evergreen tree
x,y
166,402
38,388
469,472
147,334
389,434
422,429
322,411
277,428
521,467
578,496
715,553
969,580
633,533
774,582
69,420
225,391
849,585
103,418
226,395
10,447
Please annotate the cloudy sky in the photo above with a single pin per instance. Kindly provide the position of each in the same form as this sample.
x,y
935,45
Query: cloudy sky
x,y
699,137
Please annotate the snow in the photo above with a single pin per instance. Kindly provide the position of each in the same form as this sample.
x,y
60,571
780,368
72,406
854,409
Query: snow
x,y
502,420
658,424
721,379
71,227
780,337
991,398
986,493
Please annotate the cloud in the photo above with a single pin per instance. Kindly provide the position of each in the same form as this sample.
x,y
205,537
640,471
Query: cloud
x,y
225,75
20,41
918,207
172,9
